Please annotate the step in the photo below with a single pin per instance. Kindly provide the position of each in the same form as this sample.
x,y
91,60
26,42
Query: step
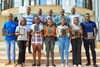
x,y
43,65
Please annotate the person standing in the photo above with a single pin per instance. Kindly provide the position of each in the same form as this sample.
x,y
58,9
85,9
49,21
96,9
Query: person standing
x,y
58,18
29,20
36,40
43,19
50,15
76,41
72,15
89,35
22,41
50,34
10,26
63,40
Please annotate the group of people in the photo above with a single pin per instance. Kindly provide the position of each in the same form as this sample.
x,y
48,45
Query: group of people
x,y
36,30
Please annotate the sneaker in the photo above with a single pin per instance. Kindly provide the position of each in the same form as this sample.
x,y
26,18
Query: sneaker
x,y
20,65
88,64
75,65
95,65
66,65
79,65
62,65
14,64
8,63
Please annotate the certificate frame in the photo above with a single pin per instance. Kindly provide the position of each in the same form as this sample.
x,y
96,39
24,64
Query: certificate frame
x,y
76,33
22,31
90,35
4,32
36,28
50,30
64,32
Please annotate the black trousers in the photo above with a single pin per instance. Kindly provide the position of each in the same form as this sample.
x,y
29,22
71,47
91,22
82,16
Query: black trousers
x,y
50,43
76,47
90,45
22,50
29,47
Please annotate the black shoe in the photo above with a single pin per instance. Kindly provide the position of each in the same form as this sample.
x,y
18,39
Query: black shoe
x,y
38,64
95,65
34,64
47,64
71,51
88,64
29,52
53,65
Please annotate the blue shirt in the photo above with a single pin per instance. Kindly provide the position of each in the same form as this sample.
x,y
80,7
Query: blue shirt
x,y
88,27
11,27
58,19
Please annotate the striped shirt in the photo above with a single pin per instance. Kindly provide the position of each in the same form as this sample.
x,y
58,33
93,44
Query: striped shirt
x,y
29,19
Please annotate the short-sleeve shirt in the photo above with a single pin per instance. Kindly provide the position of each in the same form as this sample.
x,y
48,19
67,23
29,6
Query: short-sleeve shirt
x,y
58,19
11,27
29,19
49,17
42,18
22,37
71,17
75,27
40,27
88,27
58,31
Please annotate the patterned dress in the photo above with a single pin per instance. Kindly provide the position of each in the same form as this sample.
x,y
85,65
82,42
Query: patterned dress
x,y
37,37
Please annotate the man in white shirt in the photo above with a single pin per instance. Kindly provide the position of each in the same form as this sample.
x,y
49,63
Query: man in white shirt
x,y
29,21
74,14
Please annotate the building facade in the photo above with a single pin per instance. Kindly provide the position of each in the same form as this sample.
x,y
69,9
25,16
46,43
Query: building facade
x,y
6,4
14,6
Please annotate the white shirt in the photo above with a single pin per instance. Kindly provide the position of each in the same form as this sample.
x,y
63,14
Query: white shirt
x,y
58,31
40,27
75,27
49,17
71,17
24,37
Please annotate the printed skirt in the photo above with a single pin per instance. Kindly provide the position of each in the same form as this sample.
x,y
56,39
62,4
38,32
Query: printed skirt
x,y
36,39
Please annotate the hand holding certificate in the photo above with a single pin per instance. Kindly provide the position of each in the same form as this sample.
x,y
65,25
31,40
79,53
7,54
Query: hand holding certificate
x,y
90,35
21,31
36,29
76,33
4,32
50,30
63,32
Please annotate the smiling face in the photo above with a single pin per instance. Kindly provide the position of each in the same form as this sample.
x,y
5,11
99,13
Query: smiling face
x,y
10,16
50,12
50,22
73,10
62,12
23,22
87,16
40,11
63,21
28,10
36,20
76,20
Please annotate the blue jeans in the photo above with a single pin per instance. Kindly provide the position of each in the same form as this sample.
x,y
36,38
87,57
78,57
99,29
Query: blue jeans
x,y
63,43
10,46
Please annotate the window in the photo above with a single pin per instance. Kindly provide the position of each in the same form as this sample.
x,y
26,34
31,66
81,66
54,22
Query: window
x,y
43,2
